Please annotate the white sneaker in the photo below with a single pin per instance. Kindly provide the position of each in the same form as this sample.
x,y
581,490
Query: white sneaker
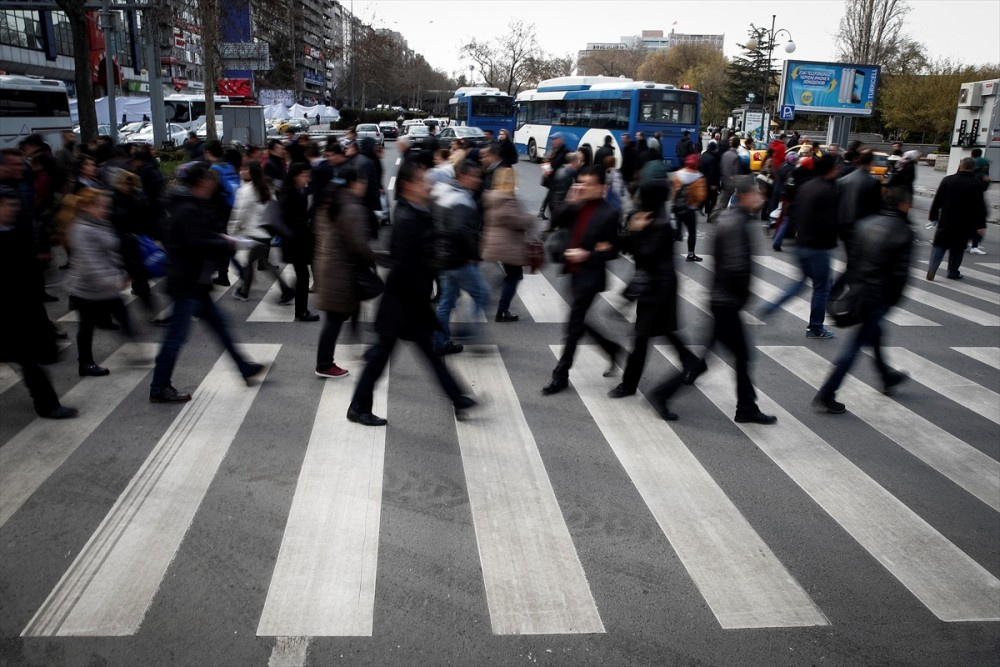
x,y
977,251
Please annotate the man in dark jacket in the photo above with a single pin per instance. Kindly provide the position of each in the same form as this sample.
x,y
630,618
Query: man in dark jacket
x,y
405,310
605,151
708,165
878,269
562,181
593,232
859,195
730,291
192,248
730,166
960,212
508,152
816,219
458,222
684,148
630,162
557,158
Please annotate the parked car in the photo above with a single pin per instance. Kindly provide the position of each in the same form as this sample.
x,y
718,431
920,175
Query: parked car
x,y
202,130
473,135
175,133
293,125
128,129
102,131
417,135
370,130
389,129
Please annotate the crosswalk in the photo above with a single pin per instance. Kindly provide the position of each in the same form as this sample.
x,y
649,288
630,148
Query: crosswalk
x,y
537,566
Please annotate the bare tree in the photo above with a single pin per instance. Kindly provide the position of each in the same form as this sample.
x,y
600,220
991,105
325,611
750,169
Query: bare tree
x,y
871,33
507,61
76,13
211,37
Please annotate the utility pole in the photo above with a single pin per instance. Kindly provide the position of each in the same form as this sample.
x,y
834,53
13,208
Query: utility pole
x,y
108,26
152,32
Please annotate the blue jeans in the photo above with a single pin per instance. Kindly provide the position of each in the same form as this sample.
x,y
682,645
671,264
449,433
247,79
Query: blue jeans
x,y
177,333
468,279
815,265
868,333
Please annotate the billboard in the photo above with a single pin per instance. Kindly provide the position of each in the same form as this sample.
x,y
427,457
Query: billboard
x,y
837,89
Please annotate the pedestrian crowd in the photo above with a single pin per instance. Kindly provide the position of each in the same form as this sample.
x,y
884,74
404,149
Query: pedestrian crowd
x,y
324,207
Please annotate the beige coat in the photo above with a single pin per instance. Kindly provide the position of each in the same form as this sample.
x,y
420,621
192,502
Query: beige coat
x,y
505,229
339,244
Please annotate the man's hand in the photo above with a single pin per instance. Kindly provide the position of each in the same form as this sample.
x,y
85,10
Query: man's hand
x,y
577,255
640,221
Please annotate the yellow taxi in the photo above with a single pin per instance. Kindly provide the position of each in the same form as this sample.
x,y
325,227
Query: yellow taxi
x,y
880,166
758,155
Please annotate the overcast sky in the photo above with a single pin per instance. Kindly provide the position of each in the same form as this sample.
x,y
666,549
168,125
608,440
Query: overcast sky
x,y
964,30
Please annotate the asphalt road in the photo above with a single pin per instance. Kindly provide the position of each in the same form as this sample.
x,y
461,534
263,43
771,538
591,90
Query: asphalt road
x,y
255,526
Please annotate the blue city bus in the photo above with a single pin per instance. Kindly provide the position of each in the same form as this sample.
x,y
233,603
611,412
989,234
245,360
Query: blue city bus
x,y
586,109
485,108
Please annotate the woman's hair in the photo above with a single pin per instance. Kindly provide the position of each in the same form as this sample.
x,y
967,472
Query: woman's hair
x,y
504,181
346,176
72,205
122,177
260,182
294,171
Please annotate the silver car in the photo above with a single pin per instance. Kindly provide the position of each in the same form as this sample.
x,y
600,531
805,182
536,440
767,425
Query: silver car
x,y
370,130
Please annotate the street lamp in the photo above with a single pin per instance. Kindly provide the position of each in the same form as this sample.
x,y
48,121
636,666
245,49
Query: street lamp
x,y
752,45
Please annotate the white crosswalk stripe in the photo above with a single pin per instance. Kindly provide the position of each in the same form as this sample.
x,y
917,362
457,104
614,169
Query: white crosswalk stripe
x,y
269,310
987,355
128,296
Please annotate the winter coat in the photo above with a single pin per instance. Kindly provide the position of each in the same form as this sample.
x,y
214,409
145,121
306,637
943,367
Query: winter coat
x,y
341,244
505,229
653,249
457,223
297,246
508,153
731,281
405,309
816,214
729,166
697,190
959,208
193,249
881,262
96,270
250,214
708,165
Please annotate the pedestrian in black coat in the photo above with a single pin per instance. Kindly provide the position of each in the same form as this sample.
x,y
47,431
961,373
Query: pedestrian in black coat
x,y
960,211
708,165
297,246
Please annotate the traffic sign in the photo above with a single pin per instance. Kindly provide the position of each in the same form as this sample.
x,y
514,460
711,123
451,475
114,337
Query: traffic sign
x,y
787,112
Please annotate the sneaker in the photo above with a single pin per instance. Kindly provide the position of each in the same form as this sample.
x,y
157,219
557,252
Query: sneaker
x,y
506,316
822,333
692,258
240,295
830,405
167,395
287,298
307,317
977,251
62,412
251,370
333,371
755,418
451,348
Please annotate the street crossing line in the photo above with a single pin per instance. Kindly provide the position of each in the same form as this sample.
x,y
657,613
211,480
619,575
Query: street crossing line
x,y
269,310
700,297
796,305
535,583
324,579
963,464
896,315
988,355
944,578
542,301
989,265
111,583
951,385
127,297
979,292
37,451
928,298
741,579
613,295
215,294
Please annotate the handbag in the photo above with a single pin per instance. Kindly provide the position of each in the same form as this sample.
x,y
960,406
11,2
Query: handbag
x,y
534,254
367,283
556,244
844,307
640,285
154,259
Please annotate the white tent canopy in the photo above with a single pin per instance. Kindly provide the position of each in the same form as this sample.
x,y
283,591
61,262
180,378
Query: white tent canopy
x,y
136,107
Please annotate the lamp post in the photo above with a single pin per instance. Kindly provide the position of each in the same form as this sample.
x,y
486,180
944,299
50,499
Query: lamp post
x,y
752,44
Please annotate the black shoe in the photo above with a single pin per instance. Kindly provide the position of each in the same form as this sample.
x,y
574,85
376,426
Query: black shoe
x,y
612,361
691,374
168,395
831,405
930,275
365,418
451,348
621,391
463,403
755,418
692,258
48,298
307,317
287,298
222,281
62,412
93,370
542,216
892,380
506,316
251,370
776,248
954,276
554,386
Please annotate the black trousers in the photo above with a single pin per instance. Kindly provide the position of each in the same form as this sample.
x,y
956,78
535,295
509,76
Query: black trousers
x,y
637,359
378,357
729,331
583,296
328,339
92,312
689,218
301,287
36,380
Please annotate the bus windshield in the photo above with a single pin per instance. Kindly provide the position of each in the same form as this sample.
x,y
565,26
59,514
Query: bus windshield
x,y
495,106
668,107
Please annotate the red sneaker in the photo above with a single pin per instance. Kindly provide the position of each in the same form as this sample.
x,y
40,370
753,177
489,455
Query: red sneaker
x,y
333,371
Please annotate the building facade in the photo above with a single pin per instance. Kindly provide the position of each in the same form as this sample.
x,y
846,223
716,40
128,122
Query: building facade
x,y
654,40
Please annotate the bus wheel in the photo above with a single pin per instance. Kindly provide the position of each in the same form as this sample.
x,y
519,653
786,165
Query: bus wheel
x,y
532,151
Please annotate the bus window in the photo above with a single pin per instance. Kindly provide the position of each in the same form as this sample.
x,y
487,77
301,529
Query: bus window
x,y
33,103
497,107
460,111
522,115
176,112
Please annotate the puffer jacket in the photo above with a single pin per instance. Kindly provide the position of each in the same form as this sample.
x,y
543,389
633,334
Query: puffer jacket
x,y
341,244
504,230
881,262
96,269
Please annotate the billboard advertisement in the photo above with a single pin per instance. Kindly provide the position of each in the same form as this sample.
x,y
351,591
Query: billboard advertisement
x,y
838,89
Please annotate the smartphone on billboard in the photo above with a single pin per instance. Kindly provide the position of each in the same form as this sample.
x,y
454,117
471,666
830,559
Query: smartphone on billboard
x,y
859,87
846,85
